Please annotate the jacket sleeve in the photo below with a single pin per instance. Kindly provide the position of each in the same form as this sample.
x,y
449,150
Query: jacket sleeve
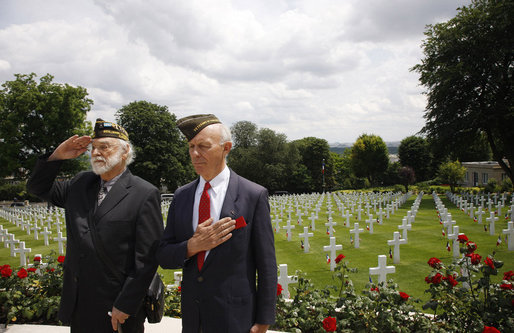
x,y
172,252
148,231
42,182
266,263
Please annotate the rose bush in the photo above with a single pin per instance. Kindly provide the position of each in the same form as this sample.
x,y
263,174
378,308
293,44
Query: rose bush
x,y
31,295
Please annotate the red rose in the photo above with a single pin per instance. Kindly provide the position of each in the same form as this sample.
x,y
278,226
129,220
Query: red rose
x,y
508,275
32,269
489,329
37,259
179,288
22,273
339,258
475,258
434,262
436,279
462,239
404,296
427,279
51,270
375,289
472,246
60,259
506,286
489,262
6,271
279,289
451,280
329,324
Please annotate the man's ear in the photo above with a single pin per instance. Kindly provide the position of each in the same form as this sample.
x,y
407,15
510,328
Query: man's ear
x,y
227,146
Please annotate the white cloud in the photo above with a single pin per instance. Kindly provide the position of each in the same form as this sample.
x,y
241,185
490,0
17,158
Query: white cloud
x,y
330,69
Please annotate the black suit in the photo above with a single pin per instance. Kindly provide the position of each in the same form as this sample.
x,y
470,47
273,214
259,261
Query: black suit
x,y
129,224
225,295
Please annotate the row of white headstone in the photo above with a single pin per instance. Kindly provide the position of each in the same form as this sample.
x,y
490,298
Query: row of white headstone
x,y
29,219
465,203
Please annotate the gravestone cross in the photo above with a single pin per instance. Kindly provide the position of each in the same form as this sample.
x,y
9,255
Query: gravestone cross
x,y
491,219
332,249
61,241
22,250
306,234
356,231
510,235
397,241
382,270
284,280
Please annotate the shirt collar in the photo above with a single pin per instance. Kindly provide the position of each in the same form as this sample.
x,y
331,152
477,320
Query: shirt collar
x,y
216,182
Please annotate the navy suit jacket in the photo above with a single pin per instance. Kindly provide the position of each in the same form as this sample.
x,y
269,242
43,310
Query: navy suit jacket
x,y
237,285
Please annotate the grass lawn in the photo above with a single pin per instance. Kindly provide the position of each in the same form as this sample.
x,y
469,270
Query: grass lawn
x,y
425,240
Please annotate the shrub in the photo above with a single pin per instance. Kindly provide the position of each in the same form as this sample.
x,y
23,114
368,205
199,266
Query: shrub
x,y
492,186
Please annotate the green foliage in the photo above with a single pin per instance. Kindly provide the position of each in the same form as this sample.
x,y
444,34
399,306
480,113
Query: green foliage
x,y
451,173
36,118
162,156
369,157
467,70
314,152
172,306
407,176
492,186
31,295
414,152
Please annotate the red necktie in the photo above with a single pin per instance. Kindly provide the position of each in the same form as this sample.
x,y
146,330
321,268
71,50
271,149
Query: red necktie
x,y
204,213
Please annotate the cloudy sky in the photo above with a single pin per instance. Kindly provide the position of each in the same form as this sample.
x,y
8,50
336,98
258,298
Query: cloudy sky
x,y
332,69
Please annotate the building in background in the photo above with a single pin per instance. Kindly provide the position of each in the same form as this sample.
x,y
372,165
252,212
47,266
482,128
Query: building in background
x,y
479,173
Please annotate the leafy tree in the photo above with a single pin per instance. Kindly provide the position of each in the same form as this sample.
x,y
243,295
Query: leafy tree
x,y
36,118
370,157
414,152
451,173
314,153
468,72
162,156
244,134
407,176
266,158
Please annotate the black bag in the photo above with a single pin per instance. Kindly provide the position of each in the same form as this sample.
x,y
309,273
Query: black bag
x,y
154,300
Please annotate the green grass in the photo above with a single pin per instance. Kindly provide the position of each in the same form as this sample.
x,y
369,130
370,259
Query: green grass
x,y
424,241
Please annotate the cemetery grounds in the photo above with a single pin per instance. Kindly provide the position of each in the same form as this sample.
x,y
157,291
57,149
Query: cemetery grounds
x,y
425,238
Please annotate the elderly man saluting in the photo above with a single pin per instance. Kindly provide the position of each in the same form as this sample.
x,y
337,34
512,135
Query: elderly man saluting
x,y
108,208
219,232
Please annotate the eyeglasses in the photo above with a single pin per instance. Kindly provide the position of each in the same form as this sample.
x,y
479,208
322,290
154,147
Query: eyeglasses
x,y
102,148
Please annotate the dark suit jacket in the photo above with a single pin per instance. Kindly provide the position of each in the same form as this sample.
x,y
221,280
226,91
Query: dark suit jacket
x,y
225,296
129,224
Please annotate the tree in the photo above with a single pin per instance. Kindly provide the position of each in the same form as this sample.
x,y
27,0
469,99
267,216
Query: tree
x,y
315,152
244,134
36,118
414,152
162,156
370,157
468,72
407,176
451,173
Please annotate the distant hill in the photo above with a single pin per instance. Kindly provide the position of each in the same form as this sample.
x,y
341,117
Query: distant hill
x,y
339,148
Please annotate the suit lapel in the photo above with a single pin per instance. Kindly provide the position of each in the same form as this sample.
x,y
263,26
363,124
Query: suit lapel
x,y
92,196
118,191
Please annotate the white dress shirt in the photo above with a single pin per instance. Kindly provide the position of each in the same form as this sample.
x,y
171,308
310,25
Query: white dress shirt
x,y
217,192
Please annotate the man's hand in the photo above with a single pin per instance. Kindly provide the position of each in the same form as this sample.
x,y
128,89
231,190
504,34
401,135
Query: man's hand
x,y
259,328
71,148
117,316
208,235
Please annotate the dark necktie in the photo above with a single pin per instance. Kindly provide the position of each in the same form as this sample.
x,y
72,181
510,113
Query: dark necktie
x,y
204,213
102,194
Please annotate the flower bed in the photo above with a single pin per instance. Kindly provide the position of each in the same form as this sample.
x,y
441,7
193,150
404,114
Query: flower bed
x,y
462,299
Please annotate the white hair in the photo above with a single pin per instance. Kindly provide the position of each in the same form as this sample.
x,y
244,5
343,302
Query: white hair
x,y
225,135
129,148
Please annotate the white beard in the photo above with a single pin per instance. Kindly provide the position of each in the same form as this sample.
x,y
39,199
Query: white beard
x,y
109,163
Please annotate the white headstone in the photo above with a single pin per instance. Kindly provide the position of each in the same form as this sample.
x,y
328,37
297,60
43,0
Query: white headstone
x,y
23,251
396,242
332,249
510,235
284,280
382,270
356,231
305,235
